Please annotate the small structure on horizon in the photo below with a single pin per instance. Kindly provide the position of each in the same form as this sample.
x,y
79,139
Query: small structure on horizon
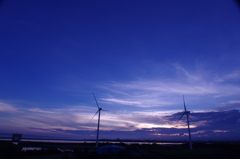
x,y
16,137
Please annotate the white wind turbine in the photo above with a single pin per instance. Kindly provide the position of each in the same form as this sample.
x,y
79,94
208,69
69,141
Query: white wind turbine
x,y
99,112
188,117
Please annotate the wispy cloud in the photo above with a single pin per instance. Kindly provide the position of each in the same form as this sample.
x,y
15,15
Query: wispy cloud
x,y
37,110
231,76
158,92
185,72
145,106
5,107
205,125
121,101
73,121
230,105
164,93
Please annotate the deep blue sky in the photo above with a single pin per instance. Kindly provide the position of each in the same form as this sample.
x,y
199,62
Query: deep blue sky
x,y
139,57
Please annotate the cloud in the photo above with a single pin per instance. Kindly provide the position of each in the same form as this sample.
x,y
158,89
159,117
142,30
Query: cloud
x,y
166,92
130,121
72,121
219,125
70,118
214,120
149,93
231,76
145,106
234,102
121,101
186,73
41,111
4,107
229,105
146,101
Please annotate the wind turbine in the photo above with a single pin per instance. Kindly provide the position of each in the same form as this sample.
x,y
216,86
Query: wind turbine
x,y
99,112
188,117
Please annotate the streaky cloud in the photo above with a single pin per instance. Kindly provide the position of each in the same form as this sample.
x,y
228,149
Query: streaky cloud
x,y
5,107
231,76
186,73
121,101
208,126
162,92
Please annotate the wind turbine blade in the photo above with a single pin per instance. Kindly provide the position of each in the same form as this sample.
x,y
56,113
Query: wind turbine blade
x,y
104,110
93,116
181,116
184,104
190,118
95,100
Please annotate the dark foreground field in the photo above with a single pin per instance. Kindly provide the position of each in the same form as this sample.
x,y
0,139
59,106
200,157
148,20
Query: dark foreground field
x,y
134,151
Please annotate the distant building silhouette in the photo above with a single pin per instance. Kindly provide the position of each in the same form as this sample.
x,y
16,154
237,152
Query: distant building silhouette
x,y
16,137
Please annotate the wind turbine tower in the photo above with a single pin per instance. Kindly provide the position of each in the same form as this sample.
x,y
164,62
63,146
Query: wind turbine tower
x,y
99,112
188,117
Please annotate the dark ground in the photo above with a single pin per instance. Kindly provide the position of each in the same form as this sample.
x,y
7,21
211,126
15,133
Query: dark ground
x,y
218,150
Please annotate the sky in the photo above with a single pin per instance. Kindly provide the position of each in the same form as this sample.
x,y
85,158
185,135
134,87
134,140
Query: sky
x,y
139,58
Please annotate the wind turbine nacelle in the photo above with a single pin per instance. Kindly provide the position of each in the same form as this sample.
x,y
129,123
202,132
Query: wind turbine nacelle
x,y
187,112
